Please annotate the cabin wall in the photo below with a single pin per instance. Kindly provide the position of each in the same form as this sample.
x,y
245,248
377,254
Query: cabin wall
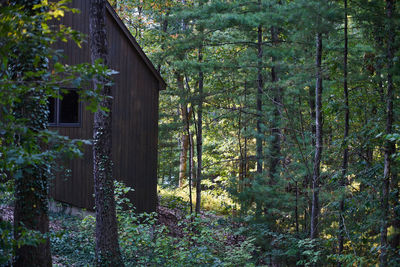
x,y
135,121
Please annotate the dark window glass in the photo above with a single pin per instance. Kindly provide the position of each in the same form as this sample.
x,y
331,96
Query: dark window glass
x,y
52,110
69,107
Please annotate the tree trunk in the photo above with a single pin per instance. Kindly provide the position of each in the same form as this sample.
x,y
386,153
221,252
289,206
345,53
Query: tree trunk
x,y
186,114
395,242
246,162
199,135
389,146
241,158
183,158
296,210
191,158
191,155
346,133
185,139
318,139
31,190
259,147
275,124
31,212
243,153
107,248
308,178
242,161
164,30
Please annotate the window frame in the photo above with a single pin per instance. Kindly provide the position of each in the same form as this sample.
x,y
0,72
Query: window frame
x,y
57,104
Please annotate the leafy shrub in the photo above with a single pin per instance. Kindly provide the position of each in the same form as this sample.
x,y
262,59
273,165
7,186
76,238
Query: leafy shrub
x,y
6,241
145,242
174,202
240,255
6,191
211,200
75,244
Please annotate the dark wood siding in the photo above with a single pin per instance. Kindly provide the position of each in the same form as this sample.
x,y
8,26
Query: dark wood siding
x,y
135,120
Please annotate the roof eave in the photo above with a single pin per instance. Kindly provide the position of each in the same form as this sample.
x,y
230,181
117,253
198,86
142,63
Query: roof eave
x,y
161,82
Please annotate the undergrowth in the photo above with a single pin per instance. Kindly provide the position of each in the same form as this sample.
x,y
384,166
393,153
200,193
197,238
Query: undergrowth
x,y
144,241
217,201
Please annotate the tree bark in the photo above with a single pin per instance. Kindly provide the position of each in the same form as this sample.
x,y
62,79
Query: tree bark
x,y
241,158
185,139
107,248
318,141
243,151
308,177
346,133
183,159
389,145
31,212
275,124
31,190
190,166
186,114
199,135
259,146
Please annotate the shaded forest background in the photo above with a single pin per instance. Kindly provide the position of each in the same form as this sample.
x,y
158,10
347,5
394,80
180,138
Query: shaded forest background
x,y
291,108
281,116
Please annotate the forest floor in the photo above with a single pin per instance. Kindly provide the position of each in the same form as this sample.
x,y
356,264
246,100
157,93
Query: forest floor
x,y
169,217
170,231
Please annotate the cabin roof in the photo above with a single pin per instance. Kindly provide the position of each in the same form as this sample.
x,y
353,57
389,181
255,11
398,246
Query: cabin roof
x,y
136,46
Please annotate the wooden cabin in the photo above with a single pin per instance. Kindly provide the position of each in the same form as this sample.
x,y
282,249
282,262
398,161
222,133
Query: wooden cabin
x,y
135,117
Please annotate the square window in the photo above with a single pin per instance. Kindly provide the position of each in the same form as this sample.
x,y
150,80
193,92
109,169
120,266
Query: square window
x,y
52,110
65,111
69,107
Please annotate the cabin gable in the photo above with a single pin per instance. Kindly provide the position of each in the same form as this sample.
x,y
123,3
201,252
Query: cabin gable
x,y
135,118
